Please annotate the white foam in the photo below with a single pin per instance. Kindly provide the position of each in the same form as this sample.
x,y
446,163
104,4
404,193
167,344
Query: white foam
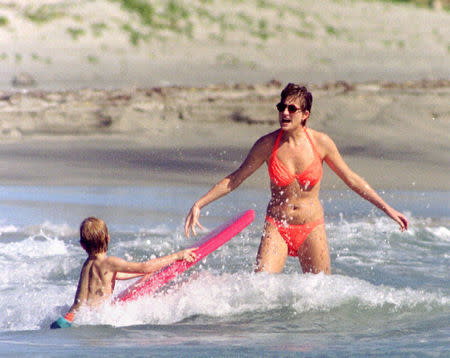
x,y
42,269
227,295
440,232
8,229
36,246
49,229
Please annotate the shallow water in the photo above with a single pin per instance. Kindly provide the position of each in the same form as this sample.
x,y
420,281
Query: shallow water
x,y
388,295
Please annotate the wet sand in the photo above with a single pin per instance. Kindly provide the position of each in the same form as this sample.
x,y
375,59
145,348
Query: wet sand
x,y
186,100
394,135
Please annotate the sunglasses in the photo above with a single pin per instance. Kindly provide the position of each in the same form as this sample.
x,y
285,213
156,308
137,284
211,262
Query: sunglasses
x,y
291,108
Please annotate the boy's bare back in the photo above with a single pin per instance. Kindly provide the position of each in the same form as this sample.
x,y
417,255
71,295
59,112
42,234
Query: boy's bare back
x,y
96,281
99,271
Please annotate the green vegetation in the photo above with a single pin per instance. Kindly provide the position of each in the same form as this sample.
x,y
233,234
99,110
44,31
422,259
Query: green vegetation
x,y
98,28
303,34
4,21
36,57
165,18
77,18
176,11
93,59
174,17
135,36
228,60
75,32
220,19
179,17
331,30
139,7
205,14
263,4
43,14
325,60
246,19
421,3
263,29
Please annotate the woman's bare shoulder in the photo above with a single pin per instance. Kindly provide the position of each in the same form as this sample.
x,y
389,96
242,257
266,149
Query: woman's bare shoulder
x,y
268,139
263,146
321,138
324,144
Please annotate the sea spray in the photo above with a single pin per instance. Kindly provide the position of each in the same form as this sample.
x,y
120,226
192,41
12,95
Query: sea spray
x,y
241,297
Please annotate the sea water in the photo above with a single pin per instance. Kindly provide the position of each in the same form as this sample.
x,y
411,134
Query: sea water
x,y
389,294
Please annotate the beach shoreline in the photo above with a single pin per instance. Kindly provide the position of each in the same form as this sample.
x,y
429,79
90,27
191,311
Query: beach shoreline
x,y
393,134
95,93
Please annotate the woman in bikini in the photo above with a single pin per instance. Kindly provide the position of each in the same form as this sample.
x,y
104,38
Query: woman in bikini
x,y
294,220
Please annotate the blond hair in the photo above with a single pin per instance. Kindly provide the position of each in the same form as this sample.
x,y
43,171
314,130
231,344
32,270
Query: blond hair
x,y
94,235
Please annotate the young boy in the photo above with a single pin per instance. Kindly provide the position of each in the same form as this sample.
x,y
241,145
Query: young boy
x,y
99,271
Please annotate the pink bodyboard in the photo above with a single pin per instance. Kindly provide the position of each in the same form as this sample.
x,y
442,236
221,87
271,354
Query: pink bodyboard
x,y
151,283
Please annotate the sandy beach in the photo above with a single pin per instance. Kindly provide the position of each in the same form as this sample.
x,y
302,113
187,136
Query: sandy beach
x,y
186,107
394,136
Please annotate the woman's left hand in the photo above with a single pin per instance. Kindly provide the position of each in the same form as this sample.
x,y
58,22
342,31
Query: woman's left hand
x,y
399,218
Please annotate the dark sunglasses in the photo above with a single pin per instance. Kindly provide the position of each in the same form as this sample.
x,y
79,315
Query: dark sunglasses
x,y
291,108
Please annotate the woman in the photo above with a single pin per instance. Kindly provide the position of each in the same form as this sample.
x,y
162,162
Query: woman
x,y
294,220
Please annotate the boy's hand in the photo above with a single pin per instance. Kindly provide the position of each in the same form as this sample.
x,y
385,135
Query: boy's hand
x,y
189,255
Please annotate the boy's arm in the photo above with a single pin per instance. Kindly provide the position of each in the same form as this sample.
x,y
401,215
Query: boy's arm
x,y
80,297
127,276
117,264
187,254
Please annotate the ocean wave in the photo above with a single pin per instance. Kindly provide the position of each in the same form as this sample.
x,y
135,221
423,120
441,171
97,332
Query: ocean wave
x,y
245,295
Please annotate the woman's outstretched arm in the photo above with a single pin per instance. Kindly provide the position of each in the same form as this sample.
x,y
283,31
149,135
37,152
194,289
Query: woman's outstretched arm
x,y
256,157
335,161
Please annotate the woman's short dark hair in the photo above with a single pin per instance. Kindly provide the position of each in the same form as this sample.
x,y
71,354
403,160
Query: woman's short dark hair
x,y
297,91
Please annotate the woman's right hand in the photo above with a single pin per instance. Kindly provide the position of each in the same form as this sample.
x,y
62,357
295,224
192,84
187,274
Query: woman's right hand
x,y
192,221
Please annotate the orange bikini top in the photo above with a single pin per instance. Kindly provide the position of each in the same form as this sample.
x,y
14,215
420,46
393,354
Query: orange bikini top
x,y
281,176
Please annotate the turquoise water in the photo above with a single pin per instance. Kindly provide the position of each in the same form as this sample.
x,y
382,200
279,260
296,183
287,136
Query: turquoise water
x,y
388,295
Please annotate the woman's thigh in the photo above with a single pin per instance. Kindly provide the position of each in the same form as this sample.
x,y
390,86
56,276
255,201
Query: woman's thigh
x,y
314,255
272,252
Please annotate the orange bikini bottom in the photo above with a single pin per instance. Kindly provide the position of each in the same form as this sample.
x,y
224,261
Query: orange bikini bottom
x,y
294,235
